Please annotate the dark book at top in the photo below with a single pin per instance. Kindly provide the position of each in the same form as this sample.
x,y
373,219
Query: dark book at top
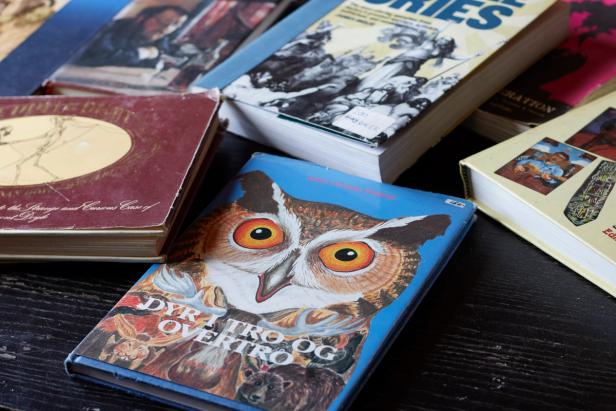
x,y
163,45
99,177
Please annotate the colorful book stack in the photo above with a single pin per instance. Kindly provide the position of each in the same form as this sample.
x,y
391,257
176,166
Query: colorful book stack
x,y
288,289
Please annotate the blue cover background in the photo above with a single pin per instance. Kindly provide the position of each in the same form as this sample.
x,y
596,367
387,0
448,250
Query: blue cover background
x,y
32,62
291,176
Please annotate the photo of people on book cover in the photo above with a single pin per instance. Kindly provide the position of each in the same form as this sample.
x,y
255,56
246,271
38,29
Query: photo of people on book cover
x,y
20,18
164,44
599,136
268,299
570,73
373,62
546,165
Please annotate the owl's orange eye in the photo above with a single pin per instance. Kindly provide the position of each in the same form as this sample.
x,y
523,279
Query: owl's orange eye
x,y
258,234
346,256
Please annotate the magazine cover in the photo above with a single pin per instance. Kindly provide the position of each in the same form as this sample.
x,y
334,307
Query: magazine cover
x,y
565,171
568,75
164,44
284,295
368,68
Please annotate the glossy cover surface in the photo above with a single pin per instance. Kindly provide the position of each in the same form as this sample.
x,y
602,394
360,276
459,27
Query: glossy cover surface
x,y
30,64
365,69
285,293
97,163
568,75
162,45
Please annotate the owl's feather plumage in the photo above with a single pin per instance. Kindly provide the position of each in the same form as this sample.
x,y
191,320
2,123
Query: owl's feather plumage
x,y
290,274
301,268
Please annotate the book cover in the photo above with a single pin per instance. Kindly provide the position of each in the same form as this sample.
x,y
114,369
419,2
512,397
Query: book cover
x,y
19,19
284,295
565,172
570,74
363,69
163,45
73,163
36,37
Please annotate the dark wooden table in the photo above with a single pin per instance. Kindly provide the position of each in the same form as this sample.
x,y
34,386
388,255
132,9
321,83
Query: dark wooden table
x,y
505,326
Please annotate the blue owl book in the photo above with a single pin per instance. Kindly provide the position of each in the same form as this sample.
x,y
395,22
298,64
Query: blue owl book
x,y
284,295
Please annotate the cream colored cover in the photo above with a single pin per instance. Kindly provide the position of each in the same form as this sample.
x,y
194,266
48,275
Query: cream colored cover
x,y
576,190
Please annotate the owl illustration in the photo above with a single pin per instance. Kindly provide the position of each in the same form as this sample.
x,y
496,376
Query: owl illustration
x,y
270,253
302,268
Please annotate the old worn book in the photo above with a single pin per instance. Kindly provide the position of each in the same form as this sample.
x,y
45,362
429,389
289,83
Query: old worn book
x,y
162,46
554,186
105,178
579,70
368,86
283,296
38,36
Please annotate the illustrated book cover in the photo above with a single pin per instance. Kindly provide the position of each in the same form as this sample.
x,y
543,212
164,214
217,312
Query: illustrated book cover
x,y
38,36
554,186
165,45
283,295
102,177
356,74
579,70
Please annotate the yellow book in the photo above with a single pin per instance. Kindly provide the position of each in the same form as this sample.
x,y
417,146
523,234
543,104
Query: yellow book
x,y
554,186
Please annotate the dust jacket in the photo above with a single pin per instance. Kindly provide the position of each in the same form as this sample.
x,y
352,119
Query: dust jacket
x,y
582,67
554,186
364,69
283,295
38,37
80,167
162,46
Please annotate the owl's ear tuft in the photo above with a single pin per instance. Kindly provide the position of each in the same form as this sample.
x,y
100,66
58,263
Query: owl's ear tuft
x,y
258,193
416,231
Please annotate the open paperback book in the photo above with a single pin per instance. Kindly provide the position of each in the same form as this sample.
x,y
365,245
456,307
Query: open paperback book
x,y
367,86
284,295
554,186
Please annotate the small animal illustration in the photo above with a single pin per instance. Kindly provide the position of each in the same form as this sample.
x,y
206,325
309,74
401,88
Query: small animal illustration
x,y
304,269
290,387
129,348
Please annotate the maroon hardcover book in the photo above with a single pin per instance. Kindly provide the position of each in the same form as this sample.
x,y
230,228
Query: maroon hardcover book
x,y
80,164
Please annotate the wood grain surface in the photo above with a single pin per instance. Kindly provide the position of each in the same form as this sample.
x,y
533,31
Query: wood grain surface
x,y
505,327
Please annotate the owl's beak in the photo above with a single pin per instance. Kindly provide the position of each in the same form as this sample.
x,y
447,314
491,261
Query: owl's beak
x,y
276,278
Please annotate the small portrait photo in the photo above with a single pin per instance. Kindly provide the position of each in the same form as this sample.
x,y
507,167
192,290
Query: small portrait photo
x,y
598,136
546,165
